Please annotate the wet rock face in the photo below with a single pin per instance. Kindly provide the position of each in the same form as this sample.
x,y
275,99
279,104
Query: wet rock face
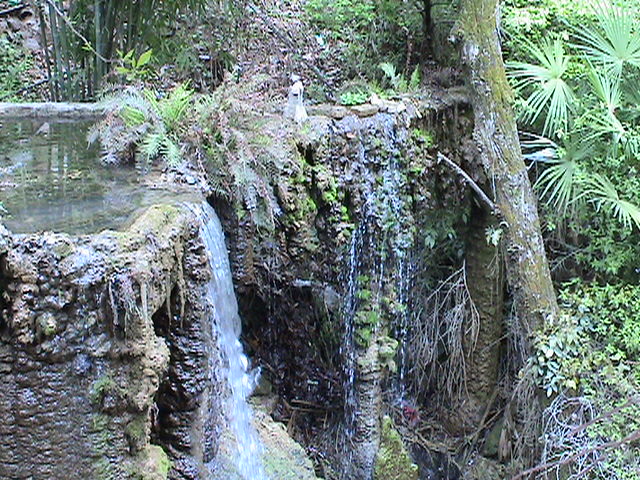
x,y
345,168
102,349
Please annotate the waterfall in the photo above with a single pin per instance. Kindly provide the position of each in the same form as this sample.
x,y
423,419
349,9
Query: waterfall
x,y
226,320
377,282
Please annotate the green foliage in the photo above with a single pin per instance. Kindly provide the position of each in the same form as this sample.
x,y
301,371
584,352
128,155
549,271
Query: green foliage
x,y
583,93
353,98
134,68
613,41
546,79
423,136
591,359
354,94
87,36
397,81
14,66
147,123
362,32
604,195
555,353
335,15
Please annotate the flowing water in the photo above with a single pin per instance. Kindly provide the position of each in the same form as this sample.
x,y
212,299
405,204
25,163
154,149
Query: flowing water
x,y
379,269
226,320
51,179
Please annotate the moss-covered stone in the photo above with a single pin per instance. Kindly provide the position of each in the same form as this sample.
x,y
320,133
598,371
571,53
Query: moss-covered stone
x,y
100,388
137,432
154,464
393,461
387,348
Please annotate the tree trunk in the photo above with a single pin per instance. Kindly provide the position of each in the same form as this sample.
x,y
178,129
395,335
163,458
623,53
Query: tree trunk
x,y
496,134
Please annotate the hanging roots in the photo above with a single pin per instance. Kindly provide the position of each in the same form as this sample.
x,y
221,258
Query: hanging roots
x,y
437,344
573,449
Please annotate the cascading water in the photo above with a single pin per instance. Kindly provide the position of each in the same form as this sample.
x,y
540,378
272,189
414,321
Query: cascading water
x,y
377,281
225,318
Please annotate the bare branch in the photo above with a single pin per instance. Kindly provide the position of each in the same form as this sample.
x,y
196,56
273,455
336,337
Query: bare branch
x,y
474,186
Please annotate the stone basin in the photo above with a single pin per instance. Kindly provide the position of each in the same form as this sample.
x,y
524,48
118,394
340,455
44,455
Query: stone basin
x,y
51,179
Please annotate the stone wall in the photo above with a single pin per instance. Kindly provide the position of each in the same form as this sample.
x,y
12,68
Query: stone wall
x,y
89,328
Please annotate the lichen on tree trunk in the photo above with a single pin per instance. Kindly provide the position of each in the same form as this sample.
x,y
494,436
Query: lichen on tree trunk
x,y
496,135
497,138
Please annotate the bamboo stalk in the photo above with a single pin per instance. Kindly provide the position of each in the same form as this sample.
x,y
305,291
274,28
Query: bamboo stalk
x,y
65,53
97,23
109,29
56,53
45,48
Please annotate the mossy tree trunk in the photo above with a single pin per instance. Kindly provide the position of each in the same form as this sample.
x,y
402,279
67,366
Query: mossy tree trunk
x,y
496,134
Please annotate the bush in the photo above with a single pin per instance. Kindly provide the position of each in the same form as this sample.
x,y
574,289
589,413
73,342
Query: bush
x,y
365,32
14,65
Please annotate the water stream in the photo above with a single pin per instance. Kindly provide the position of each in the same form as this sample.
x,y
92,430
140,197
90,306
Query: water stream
x,y
378,277
226,320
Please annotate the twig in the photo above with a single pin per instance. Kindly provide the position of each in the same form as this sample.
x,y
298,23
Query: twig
x,y
9,11
604,416
474,186
549,465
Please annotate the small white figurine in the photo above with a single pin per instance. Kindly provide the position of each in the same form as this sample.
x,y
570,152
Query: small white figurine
x,y
295,108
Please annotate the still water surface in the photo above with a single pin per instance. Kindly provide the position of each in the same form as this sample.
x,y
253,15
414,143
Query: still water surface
x,y
51,179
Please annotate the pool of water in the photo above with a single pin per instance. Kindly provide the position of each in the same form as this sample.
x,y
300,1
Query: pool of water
x,y
51,179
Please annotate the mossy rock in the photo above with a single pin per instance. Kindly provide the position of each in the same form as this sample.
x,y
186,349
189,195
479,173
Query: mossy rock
x,y
393,461
282,457
154,464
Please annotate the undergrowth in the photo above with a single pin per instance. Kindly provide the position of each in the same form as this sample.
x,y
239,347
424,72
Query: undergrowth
x,y
589,365
143,126
14,67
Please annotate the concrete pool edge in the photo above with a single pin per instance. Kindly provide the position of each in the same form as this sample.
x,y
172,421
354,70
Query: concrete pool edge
x,y
51,110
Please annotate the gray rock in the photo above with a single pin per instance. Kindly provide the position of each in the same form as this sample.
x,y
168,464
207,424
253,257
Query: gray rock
x,y
365,110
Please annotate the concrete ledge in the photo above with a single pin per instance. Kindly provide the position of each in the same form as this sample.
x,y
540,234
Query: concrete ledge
x,y
51,110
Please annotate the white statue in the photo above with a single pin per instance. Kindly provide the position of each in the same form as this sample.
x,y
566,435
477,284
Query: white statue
x,y
295,108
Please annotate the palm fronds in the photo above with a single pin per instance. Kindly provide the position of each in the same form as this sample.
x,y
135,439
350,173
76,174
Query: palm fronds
x,y
550,92
614,42
607,89
560,184
605,196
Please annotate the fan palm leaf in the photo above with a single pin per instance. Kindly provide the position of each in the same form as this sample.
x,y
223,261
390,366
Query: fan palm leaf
x,y
551,93
620,136
561,184
604,195
614,41
607,88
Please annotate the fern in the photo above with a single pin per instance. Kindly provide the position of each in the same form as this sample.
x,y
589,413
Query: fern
x,y
152,145
398,81
145,123
172,110
389,70
172,153
416,78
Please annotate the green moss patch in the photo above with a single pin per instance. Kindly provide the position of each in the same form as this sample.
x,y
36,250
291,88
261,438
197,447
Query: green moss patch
x,y
393,461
